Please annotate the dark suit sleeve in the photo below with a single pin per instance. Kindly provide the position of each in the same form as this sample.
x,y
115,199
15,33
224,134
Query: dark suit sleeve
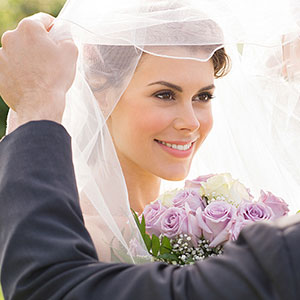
x,y
46,252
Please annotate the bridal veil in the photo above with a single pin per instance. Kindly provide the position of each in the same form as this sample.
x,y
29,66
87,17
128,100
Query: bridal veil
x,y
256,134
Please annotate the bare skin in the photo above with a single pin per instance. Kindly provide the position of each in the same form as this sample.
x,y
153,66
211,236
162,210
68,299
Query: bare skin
x,y
40,77
35,90
166,100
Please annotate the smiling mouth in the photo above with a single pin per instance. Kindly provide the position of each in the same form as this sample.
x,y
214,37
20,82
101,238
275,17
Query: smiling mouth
x,y
184,147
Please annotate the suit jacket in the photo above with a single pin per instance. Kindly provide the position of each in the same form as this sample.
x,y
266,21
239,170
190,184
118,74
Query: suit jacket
x,y
46,252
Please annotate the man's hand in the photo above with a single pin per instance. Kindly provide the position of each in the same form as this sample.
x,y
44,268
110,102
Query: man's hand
x,y
35,71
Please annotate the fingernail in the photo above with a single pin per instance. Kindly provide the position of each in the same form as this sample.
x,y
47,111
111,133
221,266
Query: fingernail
x,y
50,27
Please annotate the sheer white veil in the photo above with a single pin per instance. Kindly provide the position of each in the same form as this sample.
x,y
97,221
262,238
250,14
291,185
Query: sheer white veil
x,y
256,113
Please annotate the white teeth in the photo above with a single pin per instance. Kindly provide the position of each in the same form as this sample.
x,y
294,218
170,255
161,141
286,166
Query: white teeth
x,y
177,147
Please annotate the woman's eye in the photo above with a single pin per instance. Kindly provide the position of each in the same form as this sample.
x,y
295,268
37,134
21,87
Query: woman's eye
x,y
166,95
204,97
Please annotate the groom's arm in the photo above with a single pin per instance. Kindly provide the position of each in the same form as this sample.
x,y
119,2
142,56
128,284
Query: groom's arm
x,y
46,252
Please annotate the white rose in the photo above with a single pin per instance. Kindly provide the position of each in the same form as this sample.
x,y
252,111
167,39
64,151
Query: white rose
x,y
238,193
167,197
219,184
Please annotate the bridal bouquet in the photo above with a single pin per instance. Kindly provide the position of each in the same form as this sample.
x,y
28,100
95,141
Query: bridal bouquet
x,y
190,224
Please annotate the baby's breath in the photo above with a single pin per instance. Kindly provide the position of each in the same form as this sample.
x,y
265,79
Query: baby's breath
x,y
187,253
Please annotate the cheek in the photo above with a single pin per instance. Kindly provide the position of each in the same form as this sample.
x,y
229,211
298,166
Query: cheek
x,y
205,118
149,121
207,123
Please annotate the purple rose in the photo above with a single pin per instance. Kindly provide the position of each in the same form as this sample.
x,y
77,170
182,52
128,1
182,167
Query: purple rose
x,y
216,221
255,211
238,224
278,205
152,212
250,195
173,222
196,183
193,228
189,196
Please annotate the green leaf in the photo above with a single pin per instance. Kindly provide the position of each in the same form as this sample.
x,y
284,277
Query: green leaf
x,y
136,218
143,225
147,241
168,257
142,228
298,212
165,245
155,245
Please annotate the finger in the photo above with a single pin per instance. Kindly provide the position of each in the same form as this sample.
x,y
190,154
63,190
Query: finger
x,y
41,20
6,38
68,46
44,19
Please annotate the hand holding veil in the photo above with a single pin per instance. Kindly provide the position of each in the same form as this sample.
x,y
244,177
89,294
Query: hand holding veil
x,y
256,113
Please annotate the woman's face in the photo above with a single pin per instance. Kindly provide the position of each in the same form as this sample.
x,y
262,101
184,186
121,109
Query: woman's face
x,y
163,116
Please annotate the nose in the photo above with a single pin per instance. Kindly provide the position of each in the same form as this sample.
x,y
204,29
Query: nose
x,y
186,118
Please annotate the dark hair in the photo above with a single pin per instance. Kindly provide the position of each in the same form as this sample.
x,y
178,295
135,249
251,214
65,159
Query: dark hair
x,y
221,62
114,62
115,68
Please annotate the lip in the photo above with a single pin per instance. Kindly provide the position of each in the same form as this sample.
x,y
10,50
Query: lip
x,y
175,152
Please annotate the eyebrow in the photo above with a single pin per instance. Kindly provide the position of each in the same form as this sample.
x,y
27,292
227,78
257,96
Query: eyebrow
x,y
178,88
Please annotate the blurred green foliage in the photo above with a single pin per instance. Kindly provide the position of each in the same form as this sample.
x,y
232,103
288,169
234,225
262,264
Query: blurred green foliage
x,y
11,12
3,113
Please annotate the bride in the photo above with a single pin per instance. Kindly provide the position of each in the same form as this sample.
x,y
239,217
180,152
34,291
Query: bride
x,y
142,105
159,123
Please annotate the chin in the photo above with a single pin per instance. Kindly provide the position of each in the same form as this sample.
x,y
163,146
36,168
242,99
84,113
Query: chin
x,y
174,175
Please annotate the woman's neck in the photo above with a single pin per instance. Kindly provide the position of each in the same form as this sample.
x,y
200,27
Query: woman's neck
x,y
142,187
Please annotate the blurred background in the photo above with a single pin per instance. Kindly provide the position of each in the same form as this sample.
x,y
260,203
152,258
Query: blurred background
x,y
11,12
